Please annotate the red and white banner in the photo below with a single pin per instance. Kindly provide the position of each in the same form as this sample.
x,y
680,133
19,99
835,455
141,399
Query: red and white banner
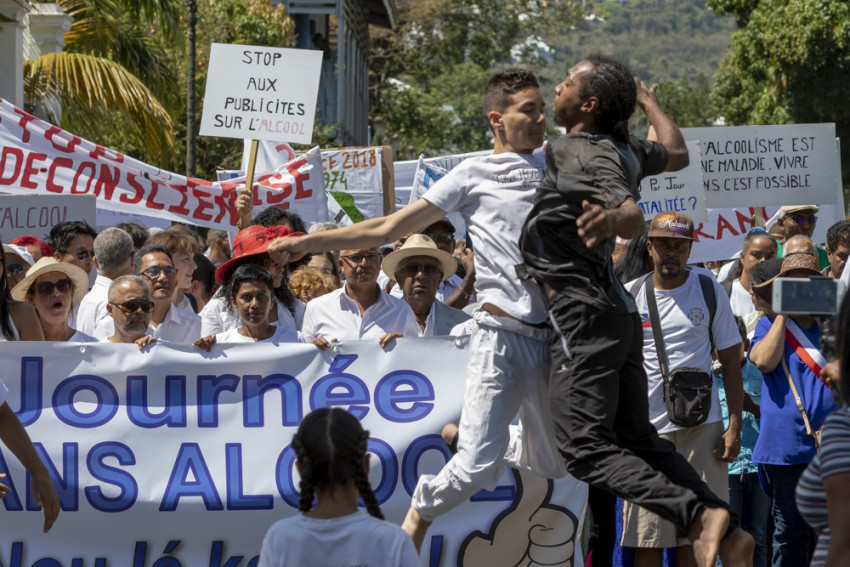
x,y
173,456
37,158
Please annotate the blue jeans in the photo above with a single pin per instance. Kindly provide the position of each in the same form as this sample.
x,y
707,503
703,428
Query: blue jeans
x,y
752,506
792,536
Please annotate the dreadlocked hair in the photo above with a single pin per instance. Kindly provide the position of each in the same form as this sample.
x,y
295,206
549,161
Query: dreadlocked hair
x,y
613,84
330,445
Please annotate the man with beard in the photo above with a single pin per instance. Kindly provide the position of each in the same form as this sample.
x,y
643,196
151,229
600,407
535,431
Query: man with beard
x,y
359,309
691,323
168,322
130,307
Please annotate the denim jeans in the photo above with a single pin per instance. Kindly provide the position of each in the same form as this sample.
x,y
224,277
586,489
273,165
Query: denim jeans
x,y
752,506
792,536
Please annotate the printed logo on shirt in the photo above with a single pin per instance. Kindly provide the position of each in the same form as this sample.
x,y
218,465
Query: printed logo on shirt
x,y
696,316
645,321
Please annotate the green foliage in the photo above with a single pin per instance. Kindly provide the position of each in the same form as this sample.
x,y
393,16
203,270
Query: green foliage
x,y
687,102
427,78
789,64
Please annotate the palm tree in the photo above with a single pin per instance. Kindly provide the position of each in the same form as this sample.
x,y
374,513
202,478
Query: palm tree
x,y
114,80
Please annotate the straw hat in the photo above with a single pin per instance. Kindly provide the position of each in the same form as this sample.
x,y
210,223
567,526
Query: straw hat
x,y
252,241
419,245
806,262
49,264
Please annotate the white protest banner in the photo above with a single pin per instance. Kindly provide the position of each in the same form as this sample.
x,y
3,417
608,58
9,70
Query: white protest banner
x,y
353,177
176,457
790,164
261,93
35,215
37,158
676,191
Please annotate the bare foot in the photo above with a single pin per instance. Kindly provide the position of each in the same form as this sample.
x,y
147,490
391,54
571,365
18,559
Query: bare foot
x,y
416,528
736,549
705,534
449,435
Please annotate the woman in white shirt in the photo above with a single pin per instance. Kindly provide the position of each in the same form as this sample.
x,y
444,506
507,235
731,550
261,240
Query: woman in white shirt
x,y
54,289
249,293
18,321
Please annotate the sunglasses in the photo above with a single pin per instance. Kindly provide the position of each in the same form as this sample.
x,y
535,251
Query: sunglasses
x,y
134,305
153,273
412,270
444,236
46,288
82,254
800,219
15,268
358,258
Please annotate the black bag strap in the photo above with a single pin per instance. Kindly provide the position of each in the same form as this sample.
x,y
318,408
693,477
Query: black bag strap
x,y
635,289
710,298
655,319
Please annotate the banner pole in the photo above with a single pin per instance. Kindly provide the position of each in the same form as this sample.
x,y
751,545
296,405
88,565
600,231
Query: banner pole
x,y
249,183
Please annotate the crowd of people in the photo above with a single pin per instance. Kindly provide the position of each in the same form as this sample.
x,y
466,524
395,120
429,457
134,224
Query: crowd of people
x,y
673,386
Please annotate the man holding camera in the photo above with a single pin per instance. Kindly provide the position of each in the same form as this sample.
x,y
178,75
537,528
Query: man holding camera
x,y
794,405
688,323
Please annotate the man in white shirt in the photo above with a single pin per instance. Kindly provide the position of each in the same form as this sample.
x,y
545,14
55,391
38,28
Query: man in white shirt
x,y
509,360
688,328
168,322
113,256
359,309
418,268
130,307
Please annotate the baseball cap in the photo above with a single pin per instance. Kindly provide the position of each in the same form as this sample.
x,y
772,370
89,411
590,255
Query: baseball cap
x,y
671,225
791,209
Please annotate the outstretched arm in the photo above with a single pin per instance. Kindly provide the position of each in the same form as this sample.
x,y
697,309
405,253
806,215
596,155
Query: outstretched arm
x,y
663,129
367,234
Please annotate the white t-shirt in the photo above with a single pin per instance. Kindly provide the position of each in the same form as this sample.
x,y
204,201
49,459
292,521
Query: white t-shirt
x,y
684,322
335,315
355,540
92,309
281,335
494,195
217,316
741,300
80,337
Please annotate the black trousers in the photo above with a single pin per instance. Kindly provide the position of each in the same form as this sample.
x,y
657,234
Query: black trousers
x,y
600,408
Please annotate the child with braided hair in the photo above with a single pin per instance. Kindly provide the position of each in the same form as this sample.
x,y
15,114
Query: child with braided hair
x,y
331,457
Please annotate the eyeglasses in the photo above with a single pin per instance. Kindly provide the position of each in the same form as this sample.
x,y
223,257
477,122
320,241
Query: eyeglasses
x,y
412,270
444,236
15,268
801,219
46,288
153,273
82,254
358,258
134,305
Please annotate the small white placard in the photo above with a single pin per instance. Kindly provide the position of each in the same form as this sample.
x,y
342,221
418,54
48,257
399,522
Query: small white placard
x,y
676,190
261,93
35,215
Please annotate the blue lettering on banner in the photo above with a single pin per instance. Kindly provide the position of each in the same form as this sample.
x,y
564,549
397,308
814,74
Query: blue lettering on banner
x,y
113,476
107,401
400,387
402,396
283,476
290,390
209,390
410,462
326,390
174,412
236,500
190,464
384,488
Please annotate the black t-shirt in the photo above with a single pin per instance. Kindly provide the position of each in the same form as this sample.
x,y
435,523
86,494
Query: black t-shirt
x,y
583,167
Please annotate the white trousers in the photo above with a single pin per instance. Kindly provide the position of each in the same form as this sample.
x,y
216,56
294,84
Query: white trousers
x,y
508,373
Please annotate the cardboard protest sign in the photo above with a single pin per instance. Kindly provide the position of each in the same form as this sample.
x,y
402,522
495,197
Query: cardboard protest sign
x,y
35,215
261,93
680,191
37,158
790,164
354,177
